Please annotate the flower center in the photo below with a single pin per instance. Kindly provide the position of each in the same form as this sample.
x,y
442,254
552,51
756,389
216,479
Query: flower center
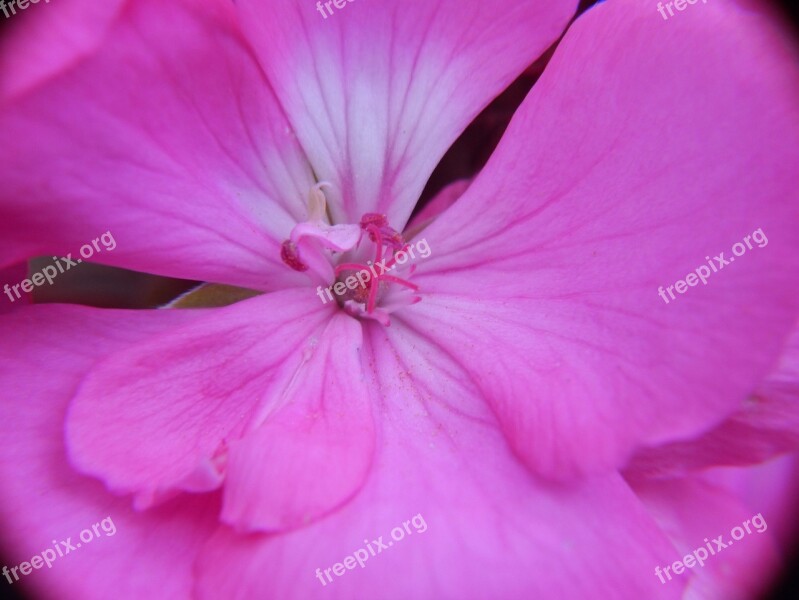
x,y
367,263
373,279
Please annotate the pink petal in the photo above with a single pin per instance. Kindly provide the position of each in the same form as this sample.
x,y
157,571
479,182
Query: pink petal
x,y
10,277
312,453
378,91
692,511
332,237
441,202
314,240
169,137
43,43
771,488
259,394
159,415
546,272
480,525
46,352
767,424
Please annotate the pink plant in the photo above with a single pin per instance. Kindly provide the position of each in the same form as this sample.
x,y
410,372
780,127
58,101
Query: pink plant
x,y
513,388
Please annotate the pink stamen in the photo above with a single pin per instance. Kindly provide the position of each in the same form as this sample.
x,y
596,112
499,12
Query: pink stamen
x,y
290,256
378,240
362,300
374,219
350,267
393,260
413,286
373,287
373,223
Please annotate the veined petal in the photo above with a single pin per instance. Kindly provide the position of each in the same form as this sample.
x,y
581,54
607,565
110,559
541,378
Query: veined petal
x,y
46,351
168,136
458,514
275,407
159,416
765,425
43,43
695,514
378,91
547,270
314,449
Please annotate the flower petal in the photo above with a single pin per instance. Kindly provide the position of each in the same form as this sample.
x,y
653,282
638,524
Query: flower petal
x,y
438,204
547,270
169,137
770,488
379,91
159,416
693,512
44,43
260,395
45,353
459,515
11,276
767,424
313,452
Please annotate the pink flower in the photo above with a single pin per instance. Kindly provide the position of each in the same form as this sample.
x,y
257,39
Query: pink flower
x,y
701,488
495,388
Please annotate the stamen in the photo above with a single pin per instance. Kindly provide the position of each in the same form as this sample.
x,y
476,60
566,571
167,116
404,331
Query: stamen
x,y
375,219
316,246
317,203
374,285
373,222
290,256
349,267
413,286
